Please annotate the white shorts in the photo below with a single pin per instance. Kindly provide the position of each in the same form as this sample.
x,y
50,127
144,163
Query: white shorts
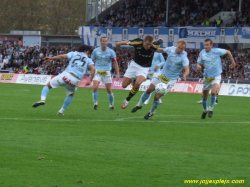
x,y
211,81
134,70
67,80
104,76
157,79
150,76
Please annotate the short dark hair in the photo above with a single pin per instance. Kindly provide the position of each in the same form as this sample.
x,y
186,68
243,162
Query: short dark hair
x,y
83,48
208,40
103,37
149,38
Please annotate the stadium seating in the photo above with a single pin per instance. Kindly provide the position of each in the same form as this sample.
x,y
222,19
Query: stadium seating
x,y
152,13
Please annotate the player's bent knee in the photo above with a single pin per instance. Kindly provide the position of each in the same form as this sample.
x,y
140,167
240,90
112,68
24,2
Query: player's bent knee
x,y
124,85
48,84
137,85
213,93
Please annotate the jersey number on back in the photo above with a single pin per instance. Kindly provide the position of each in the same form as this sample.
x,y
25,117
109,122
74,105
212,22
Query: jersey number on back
x,y
77,59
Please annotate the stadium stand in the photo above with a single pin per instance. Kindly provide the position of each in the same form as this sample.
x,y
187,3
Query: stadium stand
x,y
152,13
242,19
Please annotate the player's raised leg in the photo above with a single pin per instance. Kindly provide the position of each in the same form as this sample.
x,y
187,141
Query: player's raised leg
x,y
155,105
144,97
45,92
147,101
134,90
125,82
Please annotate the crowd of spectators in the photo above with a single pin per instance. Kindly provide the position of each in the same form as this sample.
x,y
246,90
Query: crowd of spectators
x,y
29,59
152,13
142,13
242,19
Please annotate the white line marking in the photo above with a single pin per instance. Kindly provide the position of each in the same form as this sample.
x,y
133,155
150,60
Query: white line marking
x,y
122,120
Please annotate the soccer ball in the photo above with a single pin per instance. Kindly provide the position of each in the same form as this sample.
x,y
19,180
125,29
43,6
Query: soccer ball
x,y
161,88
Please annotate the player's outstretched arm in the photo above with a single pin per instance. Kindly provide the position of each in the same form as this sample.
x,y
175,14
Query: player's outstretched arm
x,y
198,66
56,57
159,50
92,74
186,72
118,44
231,58
116,69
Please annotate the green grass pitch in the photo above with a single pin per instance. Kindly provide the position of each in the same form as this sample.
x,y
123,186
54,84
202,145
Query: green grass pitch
x,y
118,148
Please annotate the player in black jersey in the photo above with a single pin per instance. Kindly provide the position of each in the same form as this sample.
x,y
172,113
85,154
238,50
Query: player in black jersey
x,y
139,67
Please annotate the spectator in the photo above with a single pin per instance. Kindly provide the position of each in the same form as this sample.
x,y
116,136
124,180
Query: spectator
x,y
219,22
5,61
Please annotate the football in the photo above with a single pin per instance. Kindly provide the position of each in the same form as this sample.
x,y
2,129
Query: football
x,y
161,88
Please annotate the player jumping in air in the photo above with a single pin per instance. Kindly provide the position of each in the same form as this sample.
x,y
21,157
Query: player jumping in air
x,y
139,66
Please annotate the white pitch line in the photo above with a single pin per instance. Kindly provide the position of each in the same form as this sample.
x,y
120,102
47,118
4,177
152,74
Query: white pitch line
x,y
122,120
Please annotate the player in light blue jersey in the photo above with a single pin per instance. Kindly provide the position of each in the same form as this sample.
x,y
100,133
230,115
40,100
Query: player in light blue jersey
x,y
177,61
210,59
70,78
157,63
103,57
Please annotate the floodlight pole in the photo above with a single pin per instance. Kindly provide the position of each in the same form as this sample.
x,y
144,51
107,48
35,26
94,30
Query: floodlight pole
x,y
240,2
167,2
96,16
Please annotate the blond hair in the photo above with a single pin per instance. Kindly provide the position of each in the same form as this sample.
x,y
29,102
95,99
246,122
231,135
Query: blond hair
x,y
183,42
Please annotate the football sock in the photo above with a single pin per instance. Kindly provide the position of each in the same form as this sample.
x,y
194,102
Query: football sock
x,y
217,95
67,101
132,92
155,105
45,92
111,98
144,97
147,100
95,97
204,103
212,100
61,110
